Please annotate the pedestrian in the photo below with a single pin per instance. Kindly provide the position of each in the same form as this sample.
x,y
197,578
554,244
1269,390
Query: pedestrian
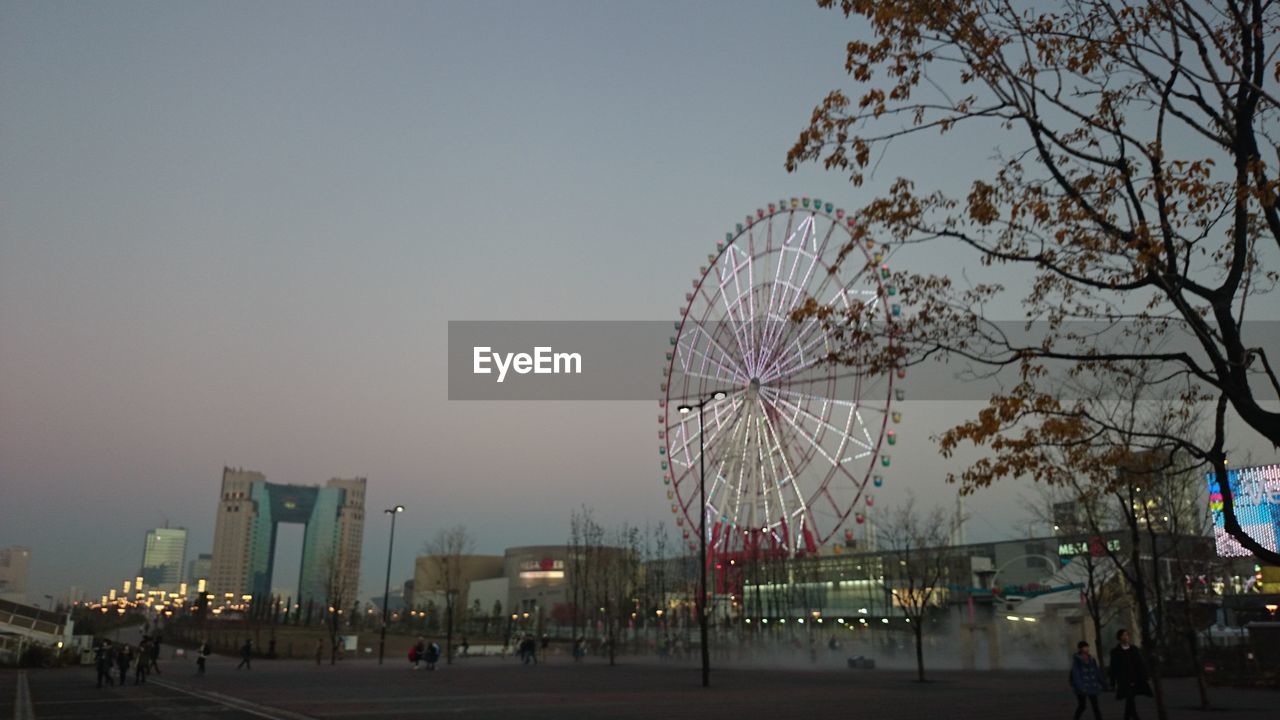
x,y
202,655
1086,680
466,647
579,648
102,657
246,652
529,650
319,650
433,655
142,661
155,655
1128,674
418,653
123,659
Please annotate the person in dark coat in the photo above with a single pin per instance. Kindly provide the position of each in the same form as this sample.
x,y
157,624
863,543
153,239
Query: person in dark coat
x,y
102,660
124,658
246,654
1086,680
142,661
1128,674
154,666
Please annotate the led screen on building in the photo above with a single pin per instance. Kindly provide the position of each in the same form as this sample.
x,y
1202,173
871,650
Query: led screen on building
x,y
1256,491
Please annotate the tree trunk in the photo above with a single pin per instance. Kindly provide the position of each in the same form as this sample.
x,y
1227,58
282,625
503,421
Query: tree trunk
x,y
448,637
918,631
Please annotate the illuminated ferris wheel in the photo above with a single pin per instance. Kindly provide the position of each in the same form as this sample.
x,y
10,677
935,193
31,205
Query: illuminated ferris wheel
x,y
795,444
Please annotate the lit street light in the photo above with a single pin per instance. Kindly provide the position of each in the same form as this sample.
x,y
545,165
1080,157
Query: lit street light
x,y
702,533
386,589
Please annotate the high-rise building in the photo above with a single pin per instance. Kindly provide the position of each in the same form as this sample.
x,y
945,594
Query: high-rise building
x,y
163,558
250,510
15,562
199,568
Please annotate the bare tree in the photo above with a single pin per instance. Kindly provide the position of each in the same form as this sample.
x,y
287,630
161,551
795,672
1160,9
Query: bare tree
x,y
1088,519
447,550
916,561
337,594
581,525
619,569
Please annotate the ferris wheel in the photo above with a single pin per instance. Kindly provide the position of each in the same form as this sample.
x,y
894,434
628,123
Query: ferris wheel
x,y
794,443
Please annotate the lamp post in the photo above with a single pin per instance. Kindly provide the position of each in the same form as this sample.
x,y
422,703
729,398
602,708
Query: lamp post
x,y
702,533
386,589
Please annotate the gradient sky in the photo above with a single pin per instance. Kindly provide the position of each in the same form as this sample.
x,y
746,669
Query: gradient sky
x,y
233,233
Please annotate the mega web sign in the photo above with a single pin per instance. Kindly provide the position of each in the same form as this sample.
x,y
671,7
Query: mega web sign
x,y
1256,495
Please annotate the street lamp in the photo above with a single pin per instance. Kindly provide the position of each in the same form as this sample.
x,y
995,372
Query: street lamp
x,y
702,532
386,589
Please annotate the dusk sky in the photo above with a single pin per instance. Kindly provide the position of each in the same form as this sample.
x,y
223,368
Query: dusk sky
x,y
233,233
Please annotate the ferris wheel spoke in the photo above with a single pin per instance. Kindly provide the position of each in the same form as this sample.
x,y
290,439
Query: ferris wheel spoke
x,y
817,335
742,327
701,376
845,434
799,328
793,481
780,307
815,443
854,374
741,334
842,295
691,437
725,360
736,460
770,490
735,359
780,475
811,397
770,319
807,247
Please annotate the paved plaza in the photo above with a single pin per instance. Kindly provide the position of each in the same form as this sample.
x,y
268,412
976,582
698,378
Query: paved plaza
x,y
502,688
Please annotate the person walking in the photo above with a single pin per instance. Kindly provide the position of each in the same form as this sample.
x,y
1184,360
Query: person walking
x,y
1086,680
529,650
1128,674
123,658
154,665
319,650
102,657
142,661
246,653
202,656
466,647
418,654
